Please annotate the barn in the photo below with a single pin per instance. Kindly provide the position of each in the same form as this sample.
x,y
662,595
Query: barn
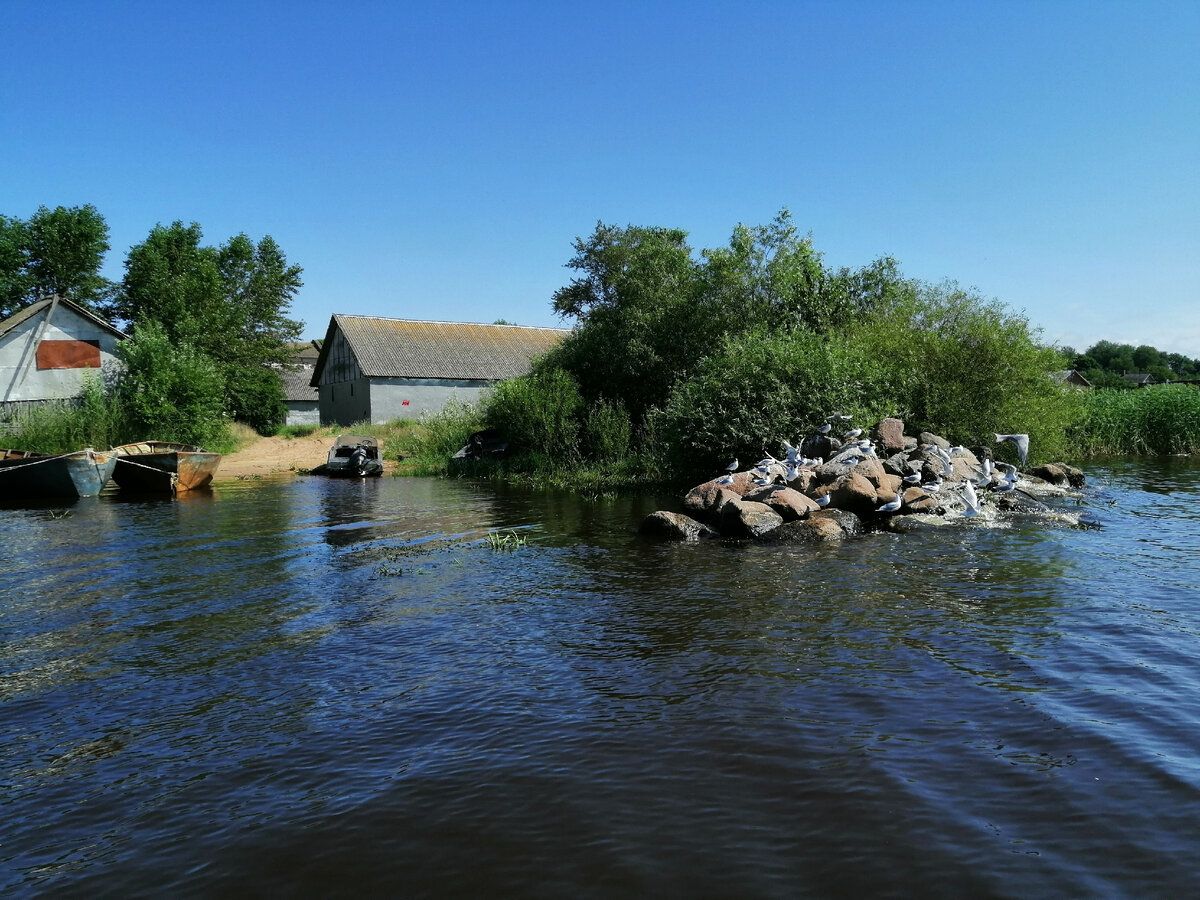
x,y
48,349
377,370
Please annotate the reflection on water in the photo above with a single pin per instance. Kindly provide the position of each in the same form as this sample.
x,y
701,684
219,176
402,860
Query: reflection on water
x,y
321,686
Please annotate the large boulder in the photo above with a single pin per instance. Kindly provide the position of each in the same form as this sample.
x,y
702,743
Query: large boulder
x,y
674,527
707,498
889,435
788,502
846,520
1060,474
928,437
746,519
810,531
854,493
916,500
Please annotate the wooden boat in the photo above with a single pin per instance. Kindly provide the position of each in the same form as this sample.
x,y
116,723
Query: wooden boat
x,y
353,456
25,474
163,467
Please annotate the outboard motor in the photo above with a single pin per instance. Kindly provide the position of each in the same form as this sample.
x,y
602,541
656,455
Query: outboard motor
x,y
358,461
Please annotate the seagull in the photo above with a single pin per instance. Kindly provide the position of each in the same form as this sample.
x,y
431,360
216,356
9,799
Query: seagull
x,y
1010,471
1020,441
985,476
933,487
960,450
853,433
915,478
891,506
839,416
972,500
725,479
824,429
823,501
732,467
1004,485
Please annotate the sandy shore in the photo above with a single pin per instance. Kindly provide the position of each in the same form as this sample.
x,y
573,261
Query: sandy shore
x,y
275,455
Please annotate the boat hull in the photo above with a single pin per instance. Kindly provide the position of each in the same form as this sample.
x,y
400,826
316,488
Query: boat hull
x,y
160,468
25,476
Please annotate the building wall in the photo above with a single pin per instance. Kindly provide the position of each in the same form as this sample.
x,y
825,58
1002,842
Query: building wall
x,y
20,377
303,412
346,402
407,398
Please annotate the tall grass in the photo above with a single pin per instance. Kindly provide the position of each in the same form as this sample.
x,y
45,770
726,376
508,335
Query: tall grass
x,y
1161,419
93,419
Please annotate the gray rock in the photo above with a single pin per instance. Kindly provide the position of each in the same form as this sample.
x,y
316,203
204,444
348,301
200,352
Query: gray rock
x,y
746,519
788,502
847,521
928,437
674,527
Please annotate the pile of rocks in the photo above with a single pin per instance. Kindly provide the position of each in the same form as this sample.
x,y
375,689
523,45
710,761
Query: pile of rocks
x,y
842,496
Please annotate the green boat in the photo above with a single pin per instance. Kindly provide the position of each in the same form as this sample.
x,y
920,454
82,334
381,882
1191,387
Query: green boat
x,y
27,475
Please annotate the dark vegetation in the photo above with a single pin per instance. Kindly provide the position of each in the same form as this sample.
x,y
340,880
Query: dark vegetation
x,y
205,322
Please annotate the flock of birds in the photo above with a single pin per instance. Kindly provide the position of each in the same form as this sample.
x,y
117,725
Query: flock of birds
x,y
855,449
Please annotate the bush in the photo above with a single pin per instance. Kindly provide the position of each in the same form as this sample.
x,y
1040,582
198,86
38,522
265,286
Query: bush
x,y
538,415
965,368
607,431
169,391
761,389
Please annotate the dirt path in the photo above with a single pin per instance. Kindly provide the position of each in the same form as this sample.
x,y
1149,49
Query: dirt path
x,y
274,455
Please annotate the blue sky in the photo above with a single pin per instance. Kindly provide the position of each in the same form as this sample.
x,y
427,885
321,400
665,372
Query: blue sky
x,y
435,161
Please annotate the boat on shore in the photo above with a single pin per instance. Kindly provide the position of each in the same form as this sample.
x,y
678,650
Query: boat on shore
x,y
27,474
352,456
163,467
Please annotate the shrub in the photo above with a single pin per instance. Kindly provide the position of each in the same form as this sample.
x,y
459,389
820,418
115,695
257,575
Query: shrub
x,y
169,390
538,414
607,431
761,389
965,368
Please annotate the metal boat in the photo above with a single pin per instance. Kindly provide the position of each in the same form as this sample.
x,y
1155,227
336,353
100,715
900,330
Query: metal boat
x,y
163,467
26,474
353,456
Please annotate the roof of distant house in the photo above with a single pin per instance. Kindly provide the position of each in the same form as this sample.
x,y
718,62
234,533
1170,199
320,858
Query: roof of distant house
x,y
1139,377
409,348
1070,376
35,309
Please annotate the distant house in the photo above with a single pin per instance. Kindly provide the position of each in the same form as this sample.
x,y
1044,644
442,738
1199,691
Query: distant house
x,y
1070,376
1141,379
376,370
298,392
48,349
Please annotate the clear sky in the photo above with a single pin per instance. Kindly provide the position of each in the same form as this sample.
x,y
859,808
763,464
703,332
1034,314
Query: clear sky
x,y
435,160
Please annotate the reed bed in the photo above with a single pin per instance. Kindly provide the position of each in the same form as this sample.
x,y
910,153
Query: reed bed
x,y
1157,420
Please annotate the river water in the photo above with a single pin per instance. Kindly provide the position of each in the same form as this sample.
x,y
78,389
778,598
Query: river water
x,y
314,687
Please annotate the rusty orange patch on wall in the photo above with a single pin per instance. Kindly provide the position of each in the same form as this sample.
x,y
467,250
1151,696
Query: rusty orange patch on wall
x,y
68,355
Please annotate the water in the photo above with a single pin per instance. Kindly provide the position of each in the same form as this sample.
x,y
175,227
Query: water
x,y
318,687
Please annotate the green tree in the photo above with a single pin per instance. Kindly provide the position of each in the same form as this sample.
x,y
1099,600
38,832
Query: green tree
x,y
58,251
229,303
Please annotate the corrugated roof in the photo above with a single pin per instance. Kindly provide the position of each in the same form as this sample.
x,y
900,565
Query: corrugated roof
x,y
407,348
297,384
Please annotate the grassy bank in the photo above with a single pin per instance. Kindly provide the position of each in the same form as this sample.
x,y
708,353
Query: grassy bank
x,y
1161,419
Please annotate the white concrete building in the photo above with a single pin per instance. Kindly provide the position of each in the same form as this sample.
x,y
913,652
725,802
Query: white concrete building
x,y
377,370
48,349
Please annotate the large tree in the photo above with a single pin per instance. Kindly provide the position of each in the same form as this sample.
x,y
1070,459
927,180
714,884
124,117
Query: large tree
x,y
229,303
57,251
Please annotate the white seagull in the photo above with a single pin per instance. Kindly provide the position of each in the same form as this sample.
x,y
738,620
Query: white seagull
x,y
1020,441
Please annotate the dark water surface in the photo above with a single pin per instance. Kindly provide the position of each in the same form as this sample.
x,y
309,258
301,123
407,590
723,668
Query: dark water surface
x,y
314,687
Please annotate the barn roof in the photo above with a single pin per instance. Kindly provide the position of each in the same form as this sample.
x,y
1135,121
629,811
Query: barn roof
x,y
409,348
35,309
